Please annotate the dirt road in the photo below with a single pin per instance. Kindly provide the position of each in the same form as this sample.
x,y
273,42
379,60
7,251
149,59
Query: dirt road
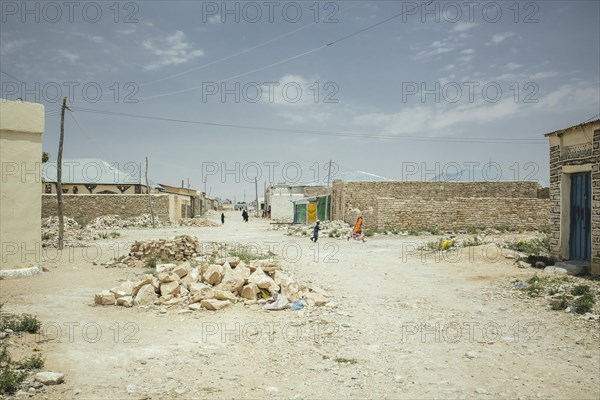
x,y
398,327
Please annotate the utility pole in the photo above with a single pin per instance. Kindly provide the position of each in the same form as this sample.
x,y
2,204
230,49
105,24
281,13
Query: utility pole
x,y
328,216
59,199
149,198
256,191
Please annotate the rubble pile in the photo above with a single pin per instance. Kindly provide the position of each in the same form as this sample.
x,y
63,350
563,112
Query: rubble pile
x,y
181,248
116,222
198,222
214,286
339,228
74,234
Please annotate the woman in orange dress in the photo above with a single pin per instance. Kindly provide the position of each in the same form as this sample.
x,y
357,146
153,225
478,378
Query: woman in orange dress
x,y
357,230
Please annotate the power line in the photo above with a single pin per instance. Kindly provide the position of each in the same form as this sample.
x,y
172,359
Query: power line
x,y
88,136
357,135
7,74
348,36
242,51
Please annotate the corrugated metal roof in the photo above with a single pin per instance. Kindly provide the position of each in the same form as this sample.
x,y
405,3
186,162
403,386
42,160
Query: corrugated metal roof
x,y
94,171
355,176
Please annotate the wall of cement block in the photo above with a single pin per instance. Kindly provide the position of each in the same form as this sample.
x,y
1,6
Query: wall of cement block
x,y
443,205
85,207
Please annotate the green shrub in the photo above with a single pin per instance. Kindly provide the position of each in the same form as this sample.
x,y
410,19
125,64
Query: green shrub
x,y
560,304
580,290
584,303
369,232
36,361
19,323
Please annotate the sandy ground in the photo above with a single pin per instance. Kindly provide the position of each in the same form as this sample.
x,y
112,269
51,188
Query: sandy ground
x,y
400,326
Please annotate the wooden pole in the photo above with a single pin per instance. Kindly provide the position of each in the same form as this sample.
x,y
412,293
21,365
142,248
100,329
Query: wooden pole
x,y
327,203
256,192
149,197
59,199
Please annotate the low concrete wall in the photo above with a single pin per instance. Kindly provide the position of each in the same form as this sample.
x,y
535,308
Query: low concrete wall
x,y
85,207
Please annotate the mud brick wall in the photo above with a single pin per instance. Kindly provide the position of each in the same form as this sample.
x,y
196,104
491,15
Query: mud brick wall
x,y
85,207
444,205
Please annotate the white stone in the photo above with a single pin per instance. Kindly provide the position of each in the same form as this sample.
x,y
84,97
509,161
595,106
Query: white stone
x,y
126,301
171,288
250,291
214,274
165,268
105,298
50,378
213,304
146,296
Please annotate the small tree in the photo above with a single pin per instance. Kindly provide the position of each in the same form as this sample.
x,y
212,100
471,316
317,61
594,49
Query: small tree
x,y
45,157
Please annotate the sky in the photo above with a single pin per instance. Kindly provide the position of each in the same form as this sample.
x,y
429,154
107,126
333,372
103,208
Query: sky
x,y
216,94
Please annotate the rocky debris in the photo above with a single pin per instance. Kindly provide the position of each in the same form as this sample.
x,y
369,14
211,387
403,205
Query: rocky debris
x,y
555,270
214,304
105,298
50,378
76,235
337,228
198,222
115,222
181,248
213,286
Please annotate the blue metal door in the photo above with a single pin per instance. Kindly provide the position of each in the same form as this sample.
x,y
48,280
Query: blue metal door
x,y
581,217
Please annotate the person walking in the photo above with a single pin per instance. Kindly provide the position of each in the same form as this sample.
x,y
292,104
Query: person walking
x,y
316,232
222,218
357,230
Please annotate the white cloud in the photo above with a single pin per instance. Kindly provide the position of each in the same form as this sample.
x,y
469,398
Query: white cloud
x,y
69,56
296,91
569,97
464,26
544,75
512,66
436,51
7,46
422,118
499,38
172,50
127,31
214,19
467,51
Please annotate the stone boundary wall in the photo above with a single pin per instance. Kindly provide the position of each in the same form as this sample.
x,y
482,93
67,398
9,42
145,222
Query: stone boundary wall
x,y
461,213
85,207
444,205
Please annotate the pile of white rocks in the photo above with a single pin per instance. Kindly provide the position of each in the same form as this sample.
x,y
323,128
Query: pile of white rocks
x,y
74,234
181,248
116,222
324,228
198,222
213,287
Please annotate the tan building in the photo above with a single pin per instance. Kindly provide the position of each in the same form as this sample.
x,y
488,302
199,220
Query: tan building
x,y
575,194
21,128
188,203
94,176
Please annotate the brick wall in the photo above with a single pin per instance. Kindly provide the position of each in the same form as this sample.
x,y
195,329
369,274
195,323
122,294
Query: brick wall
x,y
444,205
85,207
